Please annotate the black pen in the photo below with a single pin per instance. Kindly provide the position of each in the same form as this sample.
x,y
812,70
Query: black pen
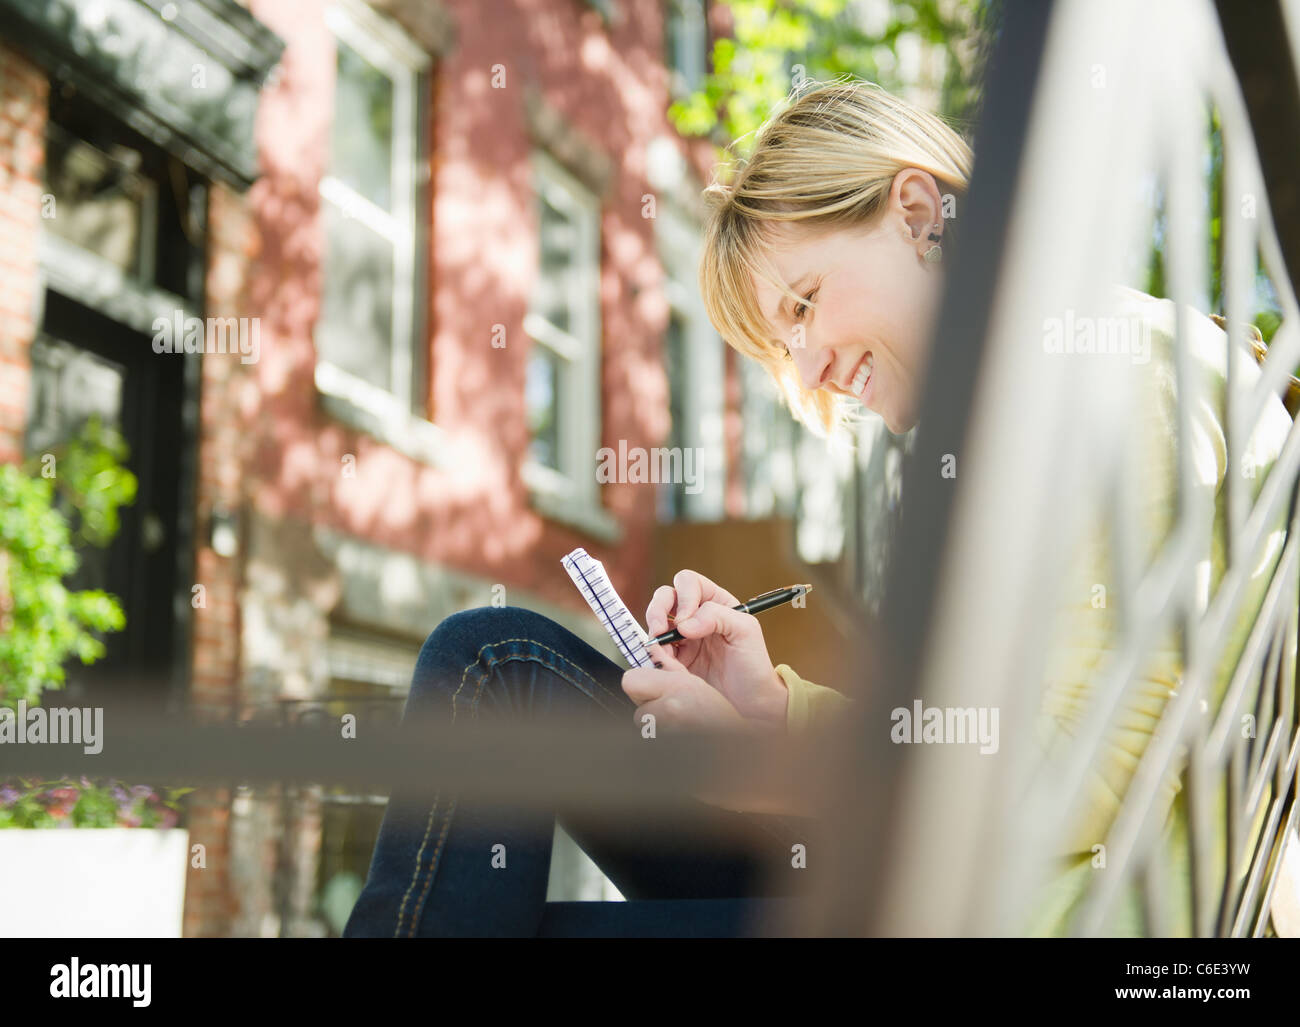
x,y
756,605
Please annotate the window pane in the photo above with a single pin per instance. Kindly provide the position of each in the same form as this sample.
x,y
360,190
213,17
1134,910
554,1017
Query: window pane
x,y
558,241
70,385
102,203
552,302
687,41
769,441
348,831
363,128
558,236
672,495
356,325
542,397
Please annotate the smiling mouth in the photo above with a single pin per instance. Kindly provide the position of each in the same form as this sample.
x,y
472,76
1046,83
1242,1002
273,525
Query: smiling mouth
x,y
860,380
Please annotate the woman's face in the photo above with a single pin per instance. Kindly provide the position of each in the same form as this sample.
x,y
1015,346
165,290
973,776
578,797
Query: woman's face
x,y
876,301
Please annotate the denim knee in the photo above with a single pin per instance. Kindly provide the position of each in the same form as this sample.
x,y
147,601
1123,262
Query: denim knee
x,y
470,630
460,638
458,644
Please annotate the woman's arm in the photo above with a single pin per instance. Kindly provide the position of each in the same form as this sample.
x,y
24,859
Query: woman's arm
x,y
810,709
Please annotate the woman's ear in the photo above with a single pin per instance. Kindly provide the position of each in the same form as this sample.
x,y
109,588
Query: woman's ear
x,y
915,200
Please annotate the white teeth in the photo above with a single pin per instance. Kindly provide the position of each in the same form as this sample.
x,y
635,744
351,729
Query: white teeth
x,y
860,379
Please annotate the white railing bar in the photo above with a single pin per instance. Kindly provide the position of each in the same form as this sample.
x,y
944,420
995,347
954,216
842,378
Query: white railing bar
x,y
1259,863
1238,246
1288,831
1277,737
1270,610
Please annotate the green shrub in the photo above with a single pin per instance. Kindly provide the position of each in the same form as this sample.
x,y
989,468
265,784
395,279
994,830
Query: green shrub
x,y
60,499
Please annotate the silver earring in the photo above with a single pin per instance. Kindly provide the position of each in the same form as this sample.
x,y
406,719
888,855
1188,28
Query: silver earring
x,y
935,253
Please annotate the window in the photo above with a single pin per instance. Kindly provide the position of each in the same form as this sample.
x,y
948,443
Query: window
x,y
562,386
769,444
687,43
70,386
370,675
672,495
696,366
122,218
106,206
366,336
607,8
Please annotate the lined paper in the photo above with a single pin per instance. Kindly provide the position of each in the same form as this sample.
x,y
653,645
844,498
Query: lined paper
x,y
594,584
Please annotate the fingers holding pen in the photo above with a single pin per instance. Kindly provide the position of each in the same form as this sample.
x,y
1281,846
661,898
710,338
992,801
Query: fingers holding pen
x,y
662,605
693,588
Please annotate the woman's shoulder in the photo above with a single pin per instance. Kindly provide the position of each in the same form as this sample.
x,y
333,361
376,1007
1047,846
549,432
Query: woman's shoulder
x,y
1204,334
1156,320
1158,317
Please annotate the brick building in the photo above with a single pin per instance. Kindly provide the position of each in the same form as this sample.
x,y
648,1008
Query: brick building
x,y
439,253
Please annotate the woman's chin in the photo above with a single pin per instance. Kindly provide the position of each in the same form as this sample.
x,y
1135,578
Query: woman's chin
x,y
898,425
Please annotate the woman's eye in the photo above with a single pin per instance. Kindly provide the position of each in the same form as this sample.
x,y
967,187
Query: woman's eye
x,y
799,310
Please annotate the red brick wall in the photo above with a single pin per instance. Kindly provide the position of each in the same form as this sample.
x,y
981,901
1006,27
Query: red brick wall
x,y
265,443
24,101
211,901
610,86
223,439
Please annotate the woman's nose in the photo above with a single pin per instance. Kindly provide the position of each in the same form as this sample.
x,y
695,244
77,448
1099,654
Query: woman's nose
x,y
814,365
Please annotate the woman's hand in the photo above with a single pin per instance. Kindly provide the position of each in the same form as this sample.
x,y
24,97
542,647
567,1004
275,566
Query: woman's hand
x,y
722,646
679,699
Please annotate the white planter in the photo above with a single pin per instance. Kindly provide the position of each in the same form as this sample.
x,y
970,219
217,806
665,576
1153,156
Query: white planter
x,y
112,882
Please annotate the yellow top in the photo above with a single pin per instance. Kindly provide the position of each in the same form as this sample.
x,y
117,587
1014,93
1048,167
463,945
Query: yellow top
x,y
809,706
1089,621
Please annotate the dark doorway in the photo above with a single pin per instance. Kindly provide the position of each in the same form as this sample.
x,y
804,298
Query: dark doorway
x,y
123,244
85,364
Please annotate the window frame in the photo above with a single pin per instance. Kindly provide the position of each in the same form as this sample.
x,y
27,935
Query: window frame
x,y
677,10
572,493
703,379
396,415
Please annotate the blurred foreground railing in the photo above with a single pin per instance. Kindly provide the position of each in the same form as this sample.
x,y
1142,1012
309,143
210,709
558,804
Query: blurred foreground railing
x,y
941,839
1046,446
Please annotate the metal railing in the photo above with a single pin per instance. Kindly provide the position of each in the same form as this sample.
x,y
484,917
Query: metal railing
x,y
1084,99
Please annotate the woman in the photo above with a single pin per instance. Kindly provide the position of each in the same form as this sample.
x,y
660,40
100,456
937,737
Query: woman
x,y
843,201
823,261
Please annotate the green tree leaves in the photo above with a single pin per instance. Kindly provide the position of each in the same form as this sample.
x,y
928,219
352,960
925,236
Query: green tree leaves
x,y
777,43
46,510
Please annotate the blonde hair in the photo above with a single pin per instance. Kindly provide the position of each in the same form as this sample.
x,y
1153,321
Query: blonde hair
x,y
826,158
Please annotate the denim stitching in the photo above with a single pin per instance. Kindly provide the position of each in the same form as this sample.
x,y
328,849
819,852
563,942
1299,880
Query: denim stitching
x,y
761,822
433,812
531,641
401,910
433,865
446,824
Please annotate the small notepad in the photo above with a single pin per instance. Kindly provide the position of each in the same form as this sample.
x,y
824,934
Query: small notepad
x,y
594,584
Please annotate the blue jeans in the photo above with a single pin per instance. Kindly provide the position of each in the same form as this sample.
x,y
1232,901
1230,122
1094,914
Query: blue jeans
x,y
432,874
